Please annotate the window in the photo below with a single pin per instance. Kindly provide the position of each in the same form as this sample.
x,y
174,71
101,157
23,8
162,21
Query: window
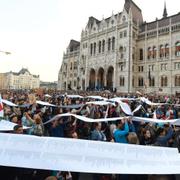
x,y
177,65
121,66
149,53
75,65
74,83
161,52
151,67
164,81
113,43
99,46
71,66
140,54
167,50
91,51
103,45
177,80
94,48
125,33
109,44
121,81
151,82
133,82
177,50
140,68
154,52
164,67
140,81
124,18
121,34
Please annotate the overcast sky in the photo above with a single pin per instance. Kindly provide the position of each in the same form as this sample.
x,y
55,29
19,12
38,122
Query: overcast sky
x,y
37,32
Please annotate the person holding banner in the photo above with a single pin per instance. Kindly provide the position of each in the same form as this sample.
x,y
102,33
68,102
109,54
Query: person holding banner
x,y
122,131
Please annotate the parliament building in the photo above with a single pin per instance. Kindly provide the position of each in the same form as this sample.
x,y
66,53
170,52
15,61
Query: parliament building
x,y
125,53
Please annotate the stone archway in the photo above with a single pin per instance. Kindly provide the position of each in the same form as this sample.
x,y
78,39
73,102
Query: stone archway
x,y
92,79
110,74
100,78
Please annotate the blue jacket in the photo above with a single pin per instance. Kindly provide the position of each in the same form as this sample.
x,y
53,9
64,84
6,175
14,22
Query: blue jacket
x,y
120,135
98,135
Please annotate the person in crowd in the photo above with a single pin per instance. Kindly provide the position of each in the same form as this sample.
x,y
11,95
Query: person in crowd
x,y
97,134
163,136
57,128
122,131
37,128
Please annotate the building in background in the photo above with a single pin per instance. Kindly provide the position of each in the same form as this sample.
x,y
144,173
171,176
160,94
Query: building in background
x,y
125,53
68,75
48,85
3,81
21,80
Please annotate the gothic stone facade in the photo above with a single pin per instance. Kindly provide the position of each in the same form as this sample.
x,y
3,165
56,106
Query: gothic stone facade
x,y
125,53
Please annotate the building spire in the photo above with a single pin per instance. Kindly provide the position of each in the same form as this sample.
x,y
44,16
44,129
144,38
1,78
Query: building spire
x,y
165,10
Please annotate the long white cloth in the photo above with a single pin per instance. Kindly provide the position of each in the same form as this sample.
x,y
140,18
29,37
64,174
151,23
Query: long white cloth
x,y
86,156
45,103
8,126
9,103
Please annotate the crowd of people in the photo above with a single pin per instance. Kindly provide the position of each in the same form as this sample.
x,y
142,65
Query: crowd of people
x,y
30,114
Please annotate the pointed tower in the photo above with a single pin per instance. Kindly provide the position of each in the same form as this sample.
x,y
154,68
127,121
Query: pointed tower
x,y
165,10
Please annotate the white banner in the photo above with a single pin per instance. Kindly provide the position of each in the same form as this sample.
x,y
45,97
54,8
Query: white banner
x,y
124,106
101,103
45,103
8,126
83,118
86,156
75,96
97,97
9,103
138,119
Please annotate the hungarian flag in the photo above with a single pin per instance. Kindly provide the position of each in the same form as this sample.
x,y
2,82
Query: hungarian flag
x,y
1,108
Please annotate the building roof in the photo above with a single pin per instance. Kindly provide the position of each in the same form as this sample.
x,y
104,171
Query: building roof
x,y
23,71
161,22
74,45
129,4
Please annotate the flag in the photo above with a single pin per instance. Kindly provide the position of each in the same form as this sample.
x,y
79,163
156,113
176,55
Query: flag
x,y
1,108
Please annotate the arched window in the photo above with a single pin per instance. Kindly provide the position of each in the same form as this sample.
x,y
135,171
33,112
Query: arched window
x,y
113,43
177,80
99,46
103,45
154,52
140,54
164,81
149,53
121,81
94,48
177,50
140,81
152,82
133,82
91,51
109,44
161,51
167,50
